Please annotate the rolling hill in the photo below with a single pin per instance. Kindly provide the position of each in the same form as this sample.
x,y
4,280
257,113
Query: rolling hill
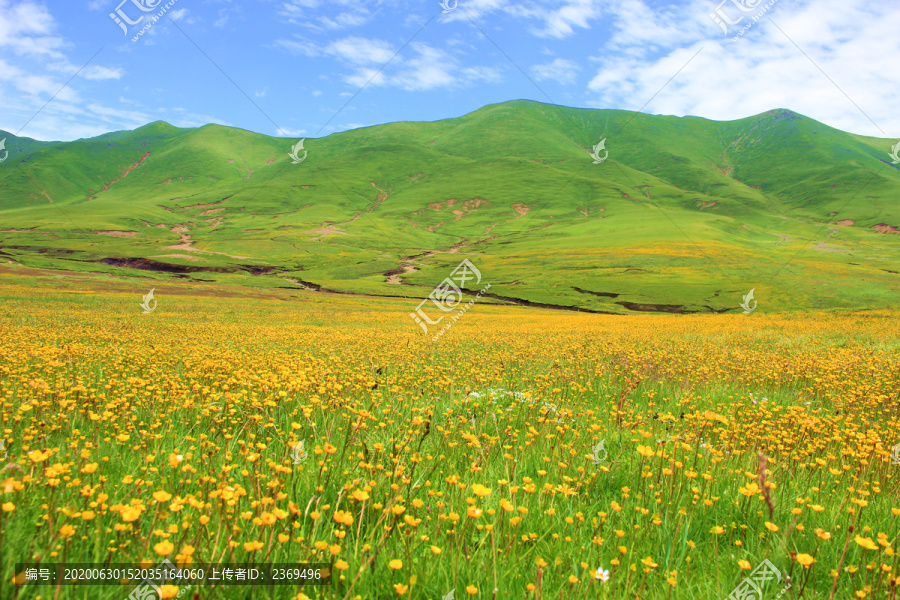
x,y
684,215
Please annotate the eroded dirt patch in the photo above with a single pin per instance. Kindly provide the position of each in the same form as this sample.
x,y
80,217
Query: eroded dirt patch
x,y
186,244
117,234
326,230
823,247
393,276
158,225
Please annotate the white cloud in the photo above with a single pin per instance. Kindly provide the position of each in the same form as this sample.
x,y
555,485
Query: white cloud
x,y
27,28
117,116
428,70
287,132
346,19
223,18
361,50
557,18
180,14
347,126
98,72
560,22
560,70
38,86
299,47
640,30
375,62
297,12
852,41
48,102
475,9
487,74
627,50
366,76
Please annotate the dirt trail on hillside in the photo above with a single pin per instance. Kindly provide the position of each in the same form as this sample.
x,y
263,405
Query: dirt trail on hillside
x,y
394,276
186,244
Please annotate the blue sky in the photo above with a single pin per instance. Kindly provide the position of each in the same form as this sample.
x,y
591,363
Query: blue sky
x,y
307,68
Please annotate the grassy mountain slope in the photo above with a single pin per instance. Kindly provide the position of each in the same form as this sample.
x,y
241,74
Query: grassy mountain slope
x,y
685,215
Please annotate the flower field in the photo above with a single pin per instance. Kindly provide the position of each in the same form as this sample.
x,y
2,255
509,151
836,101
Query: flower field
x,y
526,454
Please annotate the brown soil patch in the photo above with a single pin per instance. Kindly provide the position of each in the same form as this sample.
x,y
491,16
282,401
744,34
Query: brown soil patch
x,y
186,245
884,228
212,211
823,247
159,225
380,198
844,222
205,205
299,283
326,230
452,250
394,276
118,234
522,209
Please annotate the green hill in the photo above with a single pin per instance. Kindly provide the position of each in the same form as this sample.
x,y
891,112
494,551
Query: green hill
x,y
685,215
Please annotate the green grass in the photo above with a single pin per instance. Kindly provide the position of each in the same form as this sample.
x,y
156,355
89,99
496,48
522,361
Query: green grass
x,y
726,206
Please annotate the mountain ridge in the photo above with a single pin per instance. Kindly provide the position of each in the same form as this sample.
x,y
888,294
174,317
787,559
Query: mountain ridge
x,y
693,203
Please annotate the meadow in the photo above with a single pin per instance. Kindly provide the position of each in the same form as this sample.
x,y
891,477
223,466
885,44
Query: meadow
x,y
687,215
526,454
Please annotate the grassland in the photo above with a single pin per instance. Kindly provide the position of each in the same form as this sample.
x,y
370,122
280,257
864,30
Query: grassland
x,y
685,215
470,464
